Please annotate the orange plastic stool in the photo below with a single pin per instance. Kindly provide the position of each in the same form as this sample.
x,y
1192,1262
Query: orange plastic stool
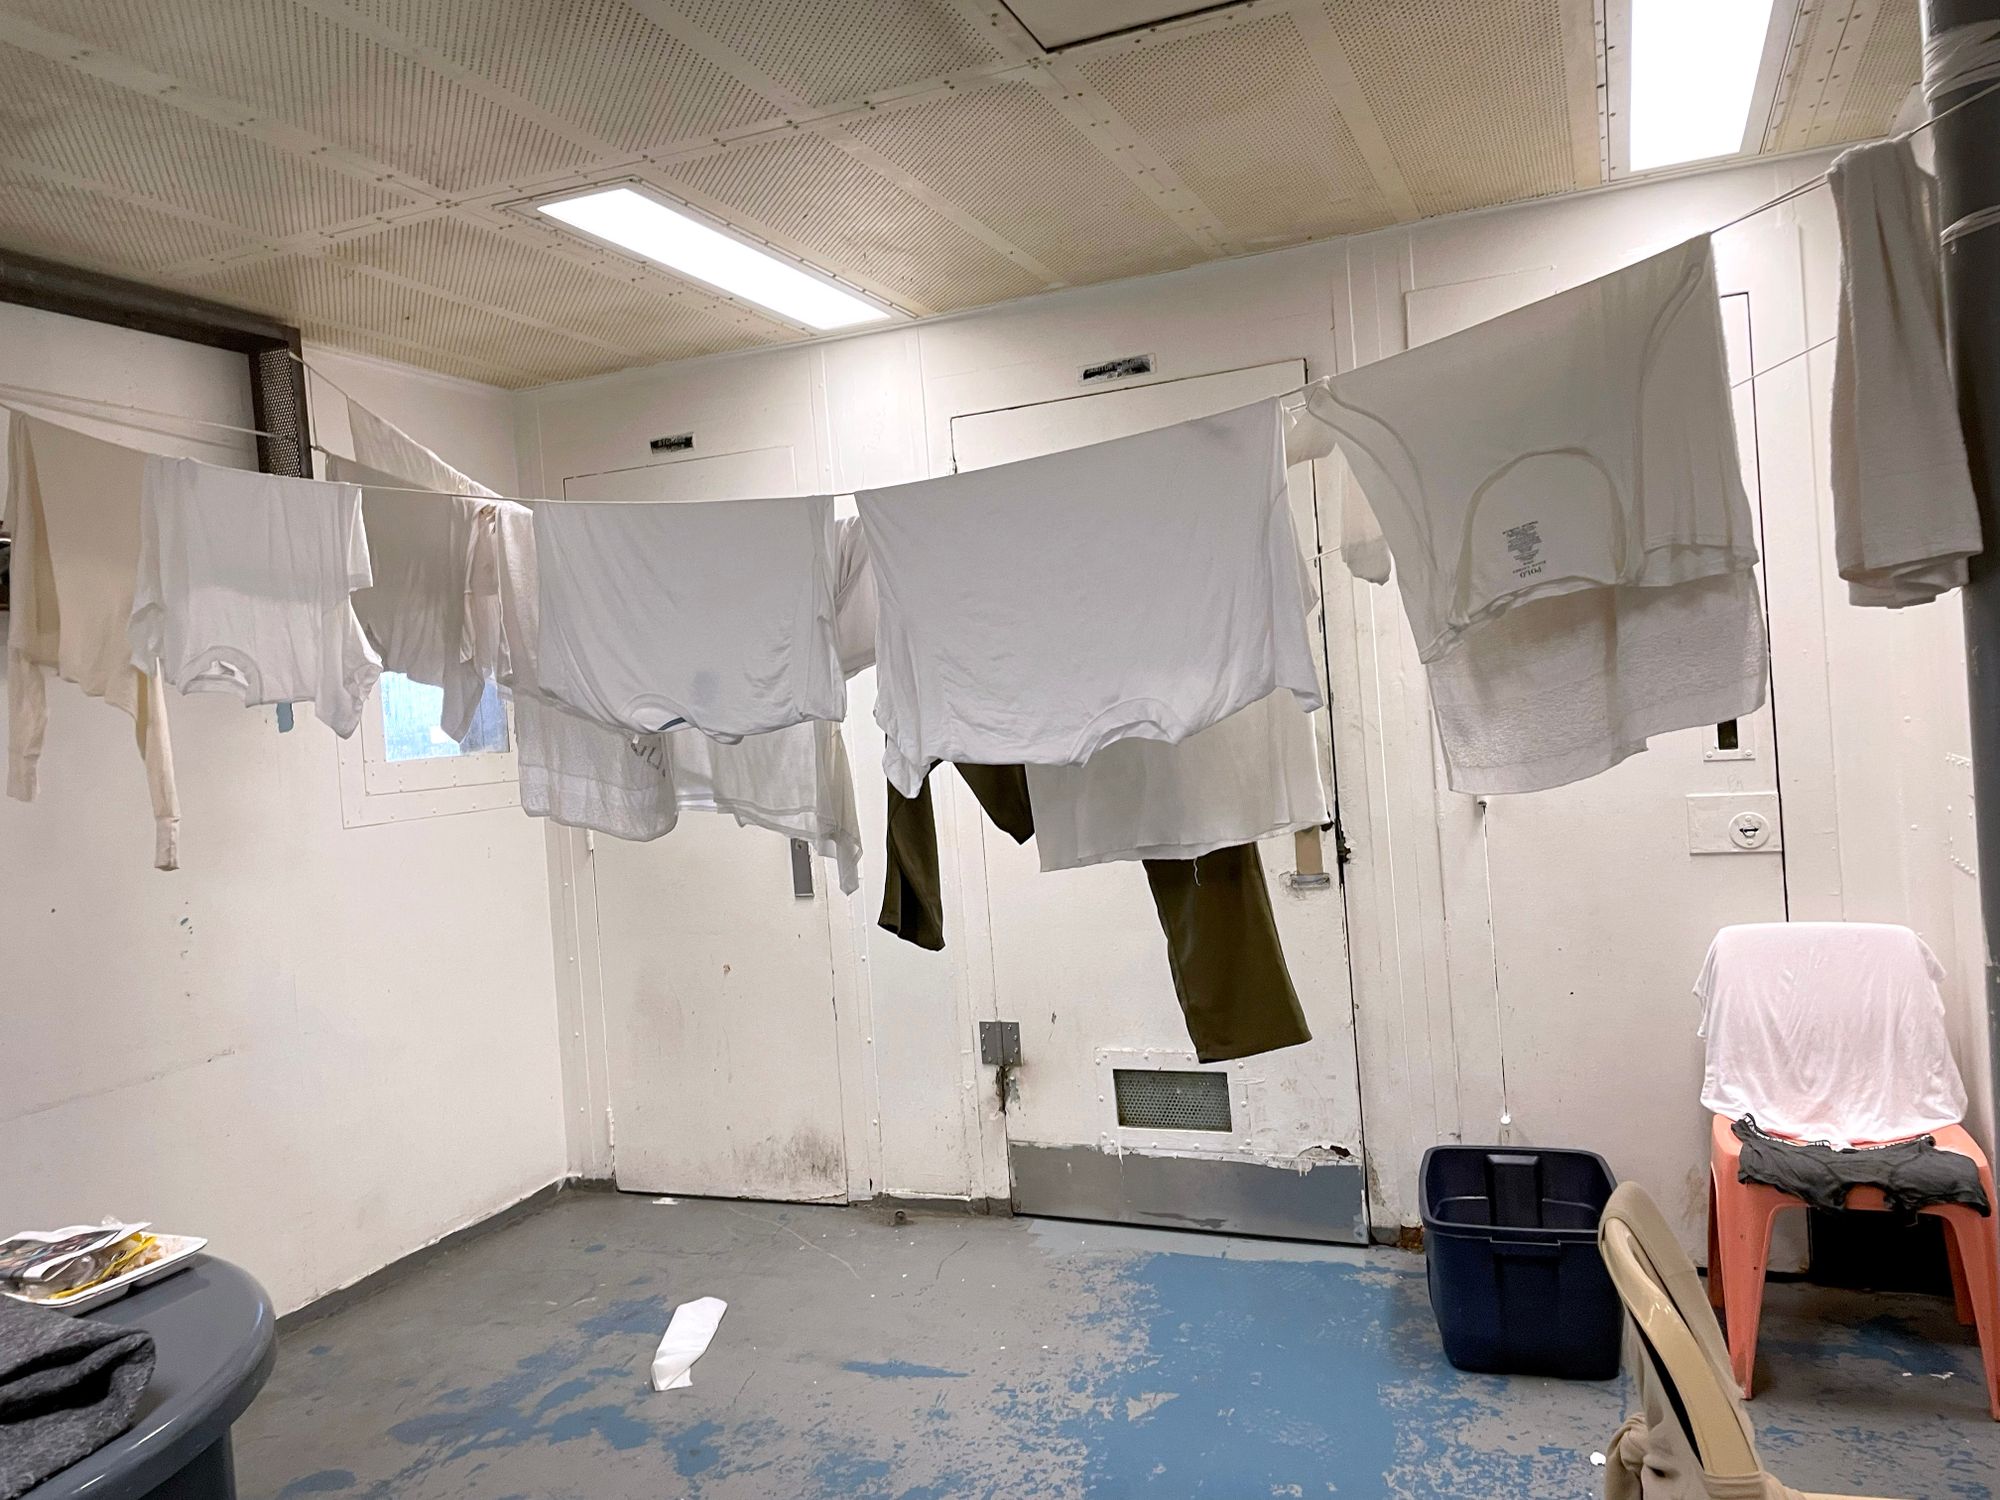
x,y
1740,1215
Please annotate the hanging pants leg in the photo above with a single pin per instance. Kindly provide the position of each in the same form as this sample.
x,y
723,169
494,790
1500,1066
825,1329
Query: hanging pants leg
x,y
1222,945
1229,971
912,890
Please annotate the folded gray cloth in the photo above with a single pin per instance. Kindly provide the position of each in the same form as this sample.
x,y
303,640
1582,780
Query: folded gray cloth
x,y
67,1387
1911,1174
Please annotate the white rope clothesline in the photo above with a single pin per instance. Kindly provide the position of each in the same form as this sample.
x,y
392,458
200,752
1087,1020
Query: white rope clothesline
x,y
1956,60
34,395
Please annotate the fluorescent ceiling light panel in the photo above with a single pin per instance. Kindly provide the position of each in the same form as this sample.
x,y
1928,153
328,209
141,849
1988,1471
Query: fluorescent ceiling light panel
x,y
635,221
1693,68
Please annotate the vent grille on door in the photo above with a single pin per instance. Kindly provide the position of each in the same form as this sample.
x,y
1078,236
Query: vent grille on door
x,y
1162,1099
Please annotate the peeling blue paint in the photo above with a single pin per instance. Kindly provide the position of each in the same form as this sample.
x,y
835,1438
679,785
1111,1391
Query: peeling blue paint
x,y
616,1426
1154,1374
322,1482
896,1369
568,1391
695,1451
635,1315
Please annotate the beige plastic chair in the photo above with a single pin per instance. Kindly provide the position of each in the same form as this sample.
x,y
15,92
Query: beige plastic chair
x,y
1693,1441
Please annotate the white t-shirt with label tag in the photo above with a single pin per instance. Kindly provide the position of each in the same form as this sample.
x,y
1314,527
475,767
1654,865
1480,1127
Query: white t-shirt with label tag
x,y
1583,441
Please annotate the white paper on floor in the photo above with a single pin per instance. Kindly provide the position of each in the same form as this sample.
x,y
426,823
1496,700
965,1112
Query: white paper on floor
x,y
688,1332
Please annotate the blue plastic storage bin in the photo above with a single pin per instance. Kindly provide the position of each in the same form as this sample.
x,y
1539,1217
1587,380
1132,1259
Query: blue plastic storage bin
x,y
1516,1282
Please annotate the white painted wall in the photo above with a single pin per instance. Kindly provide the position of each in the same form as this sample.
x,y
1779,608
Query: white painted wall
x,y
1869,705
321,1047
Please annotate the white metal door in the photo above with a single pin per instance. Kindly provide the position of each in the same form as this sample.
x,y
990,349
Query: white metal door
x,y
717,979
1080,963
1604,894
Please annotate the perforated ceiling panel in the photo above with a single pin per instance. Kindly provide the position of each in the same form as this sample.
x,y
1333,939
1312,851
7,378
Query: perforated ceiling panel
x,y
324,293
136,148
596,64
1287,169
986,150
367,168
823,52
807,193
307,70
1852,64
91,229
514,272
1473,113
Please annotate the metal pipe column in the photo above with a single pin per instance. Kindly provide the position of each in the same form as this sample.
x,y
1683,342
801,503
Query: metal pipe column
x,y
1968,171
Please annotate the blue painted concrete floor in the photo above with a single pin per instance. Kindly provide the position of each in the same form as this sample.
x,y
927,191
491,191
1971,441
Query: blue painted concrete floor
x,y
958,1356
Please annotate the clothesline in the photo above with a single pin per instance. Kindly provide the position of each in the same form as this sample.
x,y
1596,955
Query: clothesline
x,y
1980,219
35,395
1797,191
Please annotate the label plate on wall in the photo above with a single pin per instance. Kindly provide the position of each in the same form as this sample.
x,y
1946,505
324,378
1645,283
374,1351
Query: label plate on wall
x,y
1734,823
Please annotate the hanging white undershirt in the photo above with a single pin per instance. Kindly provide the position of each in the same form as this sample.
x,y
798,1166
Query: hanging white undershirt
x,y
419,550
1904,516
244,587
855,605
1254,774
794,781
1578,442
1362,547
1038,611
717,614
389,449
73,514
1562,688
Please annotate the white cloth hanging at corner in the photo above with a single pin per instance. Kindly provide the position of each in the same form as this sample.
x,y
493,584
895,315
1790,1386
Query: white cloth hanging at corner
x,y
1034,613
1905,518
73,513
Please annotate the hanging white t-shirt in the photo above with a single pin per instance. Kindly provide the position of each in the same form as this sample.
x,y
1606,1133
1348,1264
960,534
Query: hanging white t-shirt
x,y
1904,516
1036,612
1559,689
1578,442
244,586
1362,549
854,600
717,614
1827,1031
385,447
1253,775
794,781
414,613
73,514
